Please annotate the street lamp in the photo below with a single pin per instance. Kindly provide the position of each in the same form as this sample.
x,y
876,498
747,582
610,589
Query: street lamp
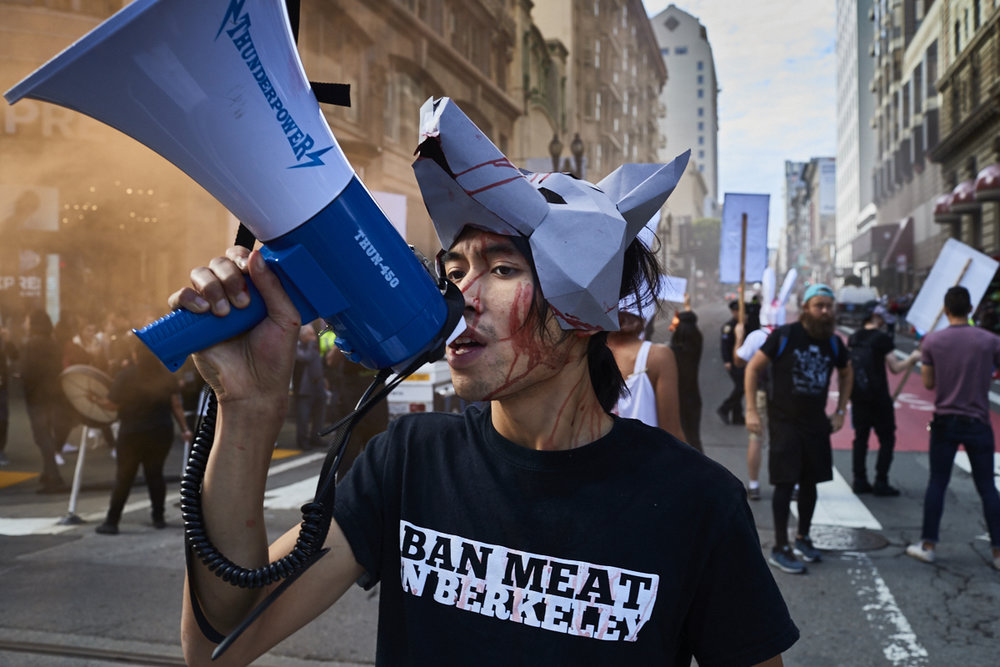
x,y
555,150
576,148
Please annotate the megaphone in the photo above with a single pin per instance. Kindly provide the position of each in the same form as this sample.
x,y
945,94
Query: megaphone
x,y
217,88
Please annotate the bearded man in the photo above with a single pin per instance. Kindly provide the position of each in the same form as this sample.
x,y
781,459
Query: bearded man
x,y
802,356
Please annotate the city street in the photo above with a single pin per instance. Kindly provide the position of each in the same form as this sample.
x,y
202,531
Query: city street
x,y
73,597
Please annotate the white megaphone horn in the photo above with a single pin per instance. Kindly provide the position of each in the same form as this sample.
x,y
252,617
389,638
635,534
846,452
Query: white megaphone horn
x,y
217,88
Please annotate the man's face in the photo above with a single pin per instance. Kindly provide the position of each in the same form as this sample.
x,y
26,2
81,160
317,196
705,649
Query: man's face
x,y
503,351
817,317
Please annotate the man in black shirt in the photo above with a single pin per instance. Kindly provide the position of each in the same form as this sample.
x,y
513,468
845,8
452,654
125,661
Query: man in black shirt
x,y
871,350
473,522
802,356
731,410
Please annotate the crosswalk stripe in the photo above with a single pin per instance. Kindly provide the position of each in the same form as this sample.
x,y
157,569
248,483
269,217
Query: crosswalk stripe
x,y
838,506
900,645
291,496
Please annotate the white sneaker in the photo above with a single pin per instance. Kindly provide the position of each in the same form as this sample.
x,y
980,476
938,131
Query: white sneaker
x,y
59,459
917,551
67,448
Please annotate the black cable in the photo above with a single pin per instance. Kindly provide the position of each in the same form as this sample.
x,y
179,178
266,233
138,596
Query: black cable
x,y
316,515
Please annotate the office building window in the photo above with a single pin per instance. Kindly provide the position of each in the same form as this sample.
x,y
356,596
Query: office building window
x,y
701,111
701,65
701,140
701,79
701,155
701,92
701,126
680,50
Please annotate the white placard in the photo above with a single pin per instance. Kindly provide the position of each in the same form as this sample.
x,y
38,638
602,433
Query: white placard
x,y
756,209
923,314
673,288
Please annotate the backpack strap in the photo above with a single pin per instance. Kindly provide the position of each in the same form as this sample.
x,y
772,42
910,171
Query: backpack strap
x,y
783,341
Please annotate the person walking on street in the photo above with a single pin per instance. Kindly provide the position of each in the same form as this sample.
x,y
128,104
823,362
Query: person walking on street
x,y
309,387
8,352
148,400
40,368
871,351
800,357
686,344
957,363
530,528
650,372
731,410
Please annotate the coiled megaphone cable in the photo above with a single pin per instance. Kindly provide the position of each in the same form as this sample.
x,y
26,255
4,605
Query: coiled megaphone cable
x,y
316,515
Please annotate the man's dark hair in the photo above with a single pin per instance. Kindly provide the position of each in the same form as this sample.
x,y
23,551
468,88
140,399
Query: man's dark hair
x,y
957,301
640,277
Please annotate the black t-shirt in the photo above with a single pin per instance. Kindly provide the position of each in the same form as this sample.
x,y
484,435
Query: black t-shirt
x,y
632,550
143,398
800,374
868,350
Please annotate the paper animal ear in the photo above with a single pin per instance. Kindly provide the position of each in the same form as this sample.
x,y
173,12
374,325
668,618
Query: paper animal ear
x,y
639,190
786,286
466,180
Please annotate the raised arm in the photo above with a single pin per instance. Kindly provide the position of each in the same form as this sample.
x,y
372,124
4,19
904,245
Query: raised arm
x,y
250,376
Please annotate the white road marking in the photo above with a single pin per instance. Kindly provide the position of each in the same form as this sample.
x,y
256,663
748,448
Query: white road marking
x,y
292,496
838,506
900,646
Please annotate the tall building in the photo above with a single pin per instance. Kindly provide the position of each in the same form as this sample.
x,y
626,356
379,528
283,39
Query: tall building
x,y
613,79
968,207
906,183
855,137
689,100
99,220
794,242
820,177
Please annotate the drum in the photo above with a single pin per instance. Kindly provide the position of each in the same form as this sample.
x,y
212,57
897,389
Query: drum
x,y
87,389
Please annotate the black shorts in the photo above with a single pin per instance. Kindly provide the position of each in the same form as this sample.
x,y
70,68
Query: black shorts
x,y
800,455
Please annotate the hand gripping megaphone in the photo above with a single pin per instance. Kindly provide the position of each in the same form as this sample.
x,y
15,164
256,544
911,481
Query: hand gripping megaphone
x,y
217,88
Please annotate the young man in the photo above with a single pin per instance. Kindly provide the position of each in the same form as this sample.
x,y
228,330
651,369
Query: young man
x,y
802,356
871,351
958,364
539,529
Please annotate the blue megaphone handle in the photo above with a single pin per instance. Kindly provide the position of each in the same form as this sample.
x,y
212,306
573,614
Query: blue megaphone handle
x,y
346,264
181,333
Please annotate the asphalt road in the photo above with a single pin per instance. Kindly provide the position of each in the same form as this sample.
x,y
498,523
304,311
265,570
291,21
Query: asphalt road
x,y
72,597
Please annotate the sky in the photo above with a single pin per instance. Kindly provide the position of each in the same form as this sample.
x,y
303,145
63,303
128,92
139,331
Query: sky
x,y
776,68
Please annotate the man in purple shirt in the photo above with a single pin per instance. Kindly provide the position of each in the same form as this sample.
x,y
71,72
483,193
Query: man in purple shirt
x,y
958,364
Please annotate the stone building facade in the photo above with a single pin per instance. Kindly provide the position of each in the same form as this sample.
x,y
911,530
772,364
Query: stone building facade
x,y
969,149
572,80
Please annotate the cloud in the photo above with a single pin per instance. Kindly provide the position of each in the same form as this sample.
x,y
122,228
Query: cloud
x,y
776,69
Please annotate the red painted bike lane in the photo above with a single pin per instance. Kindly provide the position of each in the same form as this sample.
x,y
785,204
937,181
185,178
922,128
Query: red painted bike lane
x,y
914,410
